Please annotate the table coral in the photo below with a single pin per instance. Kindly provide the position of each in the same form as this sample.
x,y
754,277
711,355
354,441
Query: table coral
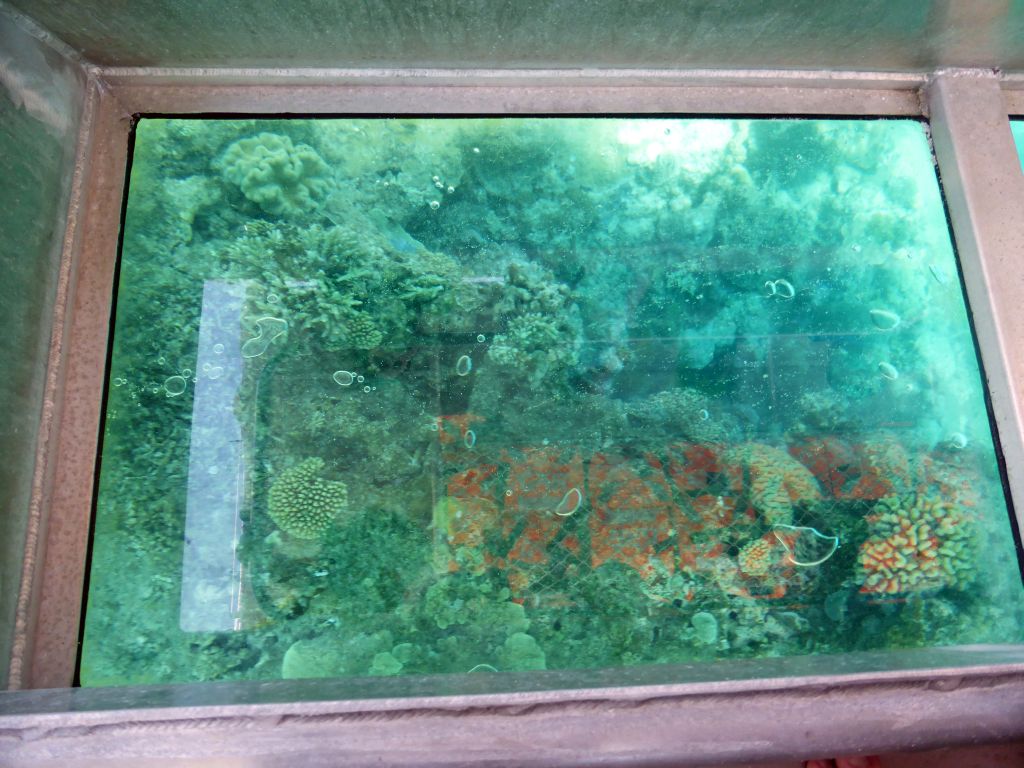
x,y
918,543
282,178
303,504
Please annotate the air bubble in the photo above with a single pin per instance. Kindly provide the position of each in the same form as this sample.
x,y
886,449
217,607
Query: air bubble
x,y
360,379
470,438
273,298
884,320
508,493
269,329
366,388
704,415
218,349
186,372
481,338
569,503
439,185
464,365
215,372
206,367
174,386
434,205
161,359
888,371
343,378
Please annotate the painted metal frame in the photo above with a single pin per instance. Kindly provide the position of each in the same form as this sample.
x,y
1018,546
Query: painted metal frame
x,y
678,715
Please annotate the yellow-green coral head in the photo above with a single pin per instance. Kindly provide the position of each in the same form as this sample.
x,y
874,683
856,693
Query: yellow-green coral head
x,y
303,504
282,178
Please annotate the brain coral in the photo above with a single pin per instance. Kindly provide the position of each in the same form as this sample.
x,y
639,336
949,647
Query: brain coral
x,y
280,177
304,505
777,481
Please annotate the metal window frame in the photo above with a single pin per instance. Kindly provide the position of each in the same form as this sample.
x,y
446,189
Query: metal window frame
x,y
680,715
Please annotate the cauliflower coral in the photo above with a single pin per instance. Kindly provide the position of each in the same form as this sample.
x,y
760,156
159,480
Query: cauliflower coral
x,y
282,178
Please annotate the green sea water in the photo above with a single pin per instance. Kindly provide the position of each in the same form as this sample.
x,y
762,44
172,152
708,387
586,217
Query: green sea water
x,y
418,396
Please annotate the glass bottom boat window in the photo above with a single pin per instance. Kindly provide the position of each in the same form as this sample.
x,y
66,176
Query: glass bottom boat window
x,y
1017,127
418,396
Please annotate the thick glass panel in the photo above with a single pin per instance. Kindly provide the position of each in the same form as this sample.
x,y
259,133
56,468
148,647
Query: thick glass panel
x,y
1017,126
480,395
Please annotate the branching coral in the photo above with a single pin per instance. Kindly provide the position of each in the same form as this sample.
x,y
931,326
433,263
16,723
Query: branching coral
x,y
303,504
918,543
282,178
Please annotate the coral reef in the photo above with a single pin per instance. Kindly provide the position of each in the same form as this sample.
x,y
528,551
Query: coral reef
x,y
777,481
918,543
282,178
303,504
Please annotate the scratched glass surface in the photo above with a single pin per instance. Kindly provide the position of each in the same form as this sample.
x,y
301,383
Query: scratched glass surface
x,y
416,396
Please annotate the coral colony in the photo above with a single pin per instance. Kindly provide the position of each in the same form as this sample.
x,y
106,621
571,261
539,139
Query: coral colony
x,y
488,395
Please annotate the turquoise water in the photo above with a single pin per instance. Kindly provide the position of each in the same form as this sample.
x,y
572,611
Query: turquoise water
x,y
483,395
1017,126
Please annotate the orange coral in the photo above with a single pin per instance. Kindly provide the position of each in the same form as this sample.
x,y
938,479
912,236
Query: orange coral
x,y
777,480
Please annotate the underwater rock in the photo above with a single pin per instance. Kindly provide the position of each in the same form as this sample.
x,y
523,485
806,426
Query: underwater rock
x,y
282,178
385,665
705,625
521,652
334,656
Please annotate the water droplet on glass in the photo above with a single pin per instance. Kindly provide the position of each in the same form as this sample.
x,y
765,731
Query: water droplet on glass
x,y
268,329
569,503
174,385
481,338
888,371
218,349
344,378
434,205
470,438
784,289
366,388
464,365
958,441
940,276
884,320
